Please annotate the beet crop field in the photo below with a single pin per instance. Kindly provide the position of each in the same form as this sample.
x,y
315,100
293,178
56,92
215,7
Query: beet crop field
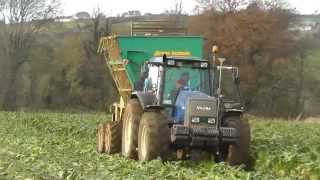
x,y
62,146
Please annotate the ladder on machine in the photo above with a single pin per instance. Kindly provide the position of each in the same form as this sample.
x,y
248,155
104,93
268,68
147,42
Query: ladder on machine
x,y
109,48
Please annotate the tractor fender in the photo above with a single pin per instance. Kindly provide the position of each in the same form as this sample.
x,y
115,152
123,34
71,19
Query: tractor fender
x,y
232,112
146,100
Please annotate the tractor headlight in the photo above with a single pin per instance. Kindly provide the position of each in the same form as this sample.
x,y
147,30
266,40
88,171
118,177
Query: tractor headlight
x,y
204,65
212,120
195,120
171,62
228,105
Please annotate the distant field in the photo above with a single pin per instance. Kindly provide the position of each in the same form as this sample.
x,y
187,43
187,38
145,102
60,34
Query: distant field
x,y
62,146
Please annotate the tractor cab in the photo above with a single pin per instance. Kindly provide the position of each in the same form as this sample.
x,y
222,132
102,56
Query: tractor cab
x,y
165,77
172,81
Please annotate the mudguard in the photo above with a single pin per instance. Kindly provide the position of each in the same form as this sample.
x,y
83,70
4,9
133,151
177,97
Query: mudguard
x,y
146,100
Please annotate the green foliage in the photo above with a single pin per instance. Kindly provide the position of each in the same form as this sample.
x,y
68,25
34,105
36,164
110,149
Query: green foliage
x,y
285,148
62,146
60,71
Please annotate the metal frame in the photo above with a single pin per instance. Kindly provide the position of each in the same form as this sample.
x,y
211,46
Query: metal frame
x,y
157,28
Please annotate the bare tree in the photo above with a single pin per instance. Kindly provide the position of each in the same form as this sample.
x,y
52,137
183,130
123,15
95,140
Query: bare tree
x,y
99,26
25,19
230,5
20,11
279,4
221,5
203,5
178,8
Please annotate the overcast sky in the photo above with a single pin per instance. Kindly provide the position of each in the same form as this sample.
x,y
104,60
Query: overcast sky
x,y
114,7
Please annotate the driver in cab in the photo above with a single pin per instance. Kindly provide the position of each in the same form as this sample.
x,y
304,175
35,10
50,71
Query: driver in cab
x,y
182,81
180,84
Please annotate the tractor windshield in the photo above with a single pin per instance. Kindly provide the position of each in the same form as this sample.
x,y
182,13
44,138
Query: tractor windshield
x,y
184,77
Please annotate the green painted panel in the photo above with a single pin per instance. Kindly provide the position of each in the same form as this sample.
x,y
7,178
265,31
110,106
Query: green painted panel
x,y
138,49
136,60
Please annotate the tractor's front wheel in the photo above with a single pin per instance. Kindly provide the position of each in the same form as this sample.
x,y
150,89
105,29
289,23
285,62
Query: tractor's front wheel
x,y
154,136
238,152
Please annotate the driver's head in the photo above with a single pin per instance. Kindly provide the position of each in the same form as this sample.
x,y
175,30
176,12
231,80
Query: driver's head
x,y
184,78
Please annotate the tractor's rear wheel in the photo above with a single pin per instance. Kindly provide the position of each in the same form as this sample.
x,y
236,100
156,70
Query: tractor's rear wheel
x,y
101,138
113,137
154,136
238,153
130,130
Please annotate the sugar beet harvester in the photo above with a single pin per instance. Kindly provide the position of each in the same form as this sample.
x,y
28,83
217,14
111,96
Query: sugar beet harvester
x,y
172,105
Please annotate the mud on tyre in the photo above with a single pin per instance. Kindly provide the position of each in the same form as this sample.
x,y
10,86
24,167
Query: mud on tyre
x,y
238,153
154,136
130,130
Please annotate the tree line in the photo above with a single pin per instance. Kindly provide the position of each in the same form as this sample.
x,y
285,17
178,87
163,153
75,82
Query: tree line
x,y
51,65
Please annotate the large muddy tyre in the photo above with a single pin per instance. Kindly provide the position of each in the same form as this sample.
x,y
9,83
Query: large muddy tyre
x,y
238,153
154,137
113,131
101,138
130,130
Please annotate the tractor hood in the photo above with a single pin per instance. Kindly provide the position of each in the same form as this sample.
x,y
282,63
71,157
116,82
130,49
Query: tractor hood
x,y
194,103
